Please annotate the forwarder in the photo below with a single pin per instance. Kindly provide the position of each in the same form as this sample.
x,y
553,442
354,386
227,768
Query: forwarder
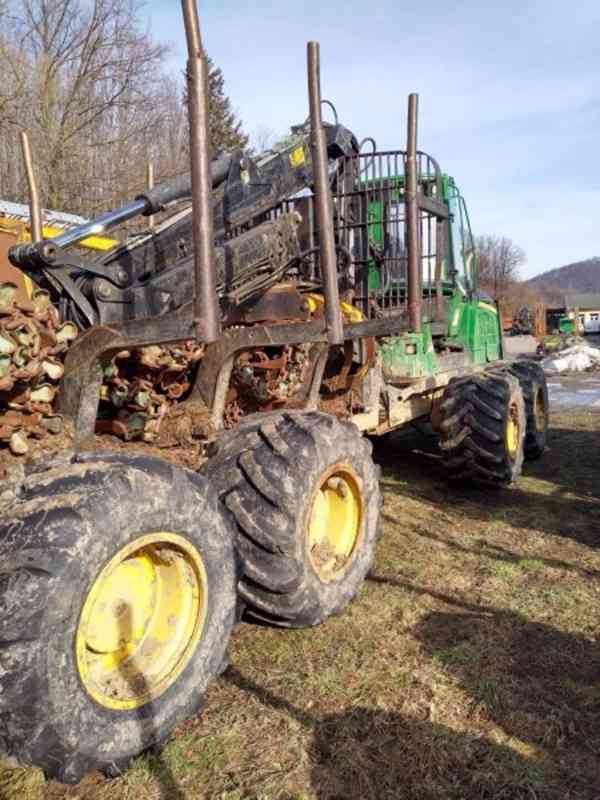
x,y
335,293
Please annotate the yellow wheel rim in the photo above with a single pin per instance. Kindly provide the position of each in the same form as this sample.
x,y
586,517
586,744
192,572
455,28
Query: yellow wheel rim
x,y
539,411
142,620
513,432
335,522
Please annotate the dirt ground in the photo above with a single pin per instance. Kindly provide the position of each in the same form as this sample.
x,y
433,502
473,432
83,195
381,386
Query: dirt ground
x,y
468,668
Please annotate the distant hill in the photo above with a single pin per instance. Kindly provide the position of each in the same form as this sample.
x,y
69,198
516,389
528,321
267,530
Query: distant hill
x,y
582,276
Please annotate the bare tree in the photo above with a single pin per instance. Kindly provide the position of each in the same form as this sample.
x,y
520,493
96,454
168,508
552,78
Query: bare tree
x,y
90,85
263,138
498,260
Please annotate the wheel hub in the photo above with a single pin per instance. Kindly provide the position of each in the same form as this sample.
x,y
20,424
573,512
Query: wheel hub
x,y
335,522
141,620
513,431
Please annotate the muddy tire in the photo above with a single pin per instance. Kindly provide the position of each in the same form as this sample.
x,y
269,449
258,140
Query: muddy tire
x,y
303,493
482,428
85,684
535,393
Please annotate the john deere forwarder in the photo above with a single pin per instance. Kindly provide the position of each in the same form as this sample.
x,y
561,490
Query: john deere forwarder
x,y
335,291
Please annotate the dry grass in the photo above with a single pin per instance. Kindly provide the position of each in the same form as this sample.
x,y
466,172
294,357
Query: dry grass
x,y
468,668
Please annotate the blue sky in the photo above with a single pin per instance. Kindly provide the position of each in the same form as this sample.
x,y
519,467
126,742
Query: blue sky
x,y
509,95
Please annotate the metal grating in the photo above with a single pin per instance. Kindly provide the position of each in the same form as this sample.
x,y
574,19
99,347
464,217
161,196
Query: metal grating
x,y
370,224
370,218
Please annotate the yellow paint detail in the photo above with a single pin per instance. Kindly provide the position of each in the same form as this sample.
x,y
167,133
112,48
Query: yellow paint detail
x,y
513,432
350,312
22,234
540,412
142,620
314,302
297,157
103,243
335,521
29,285
488,307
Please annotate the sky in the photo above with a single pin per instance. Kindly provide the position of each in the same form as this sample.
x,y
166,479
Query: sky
x,y
509,95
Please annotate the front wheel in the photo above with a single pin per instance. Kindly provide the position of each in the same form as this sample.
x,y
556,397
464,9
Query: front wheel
x,y
303,493
117,592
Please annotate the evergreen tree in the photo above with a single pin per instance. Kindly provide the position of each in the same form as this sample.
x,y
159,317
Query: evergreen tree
x,y
226,131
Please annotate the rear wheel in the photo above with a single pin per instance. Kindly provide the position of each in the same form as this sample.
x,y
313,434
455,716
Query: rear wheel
x,y
482,428
535,393
303,492
117,592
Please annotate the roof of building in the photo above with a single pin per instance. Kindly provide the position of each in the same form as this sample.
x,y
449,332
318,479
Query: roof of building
x,y
20,211
583,300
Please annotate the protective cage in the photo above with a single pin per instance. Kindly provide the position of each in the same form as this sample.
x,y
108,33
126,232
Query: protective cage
x,y
370,221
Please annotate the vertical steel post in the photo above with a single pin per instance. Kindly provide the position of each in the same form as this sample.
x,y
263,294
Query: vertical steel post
x,y
35,211
440,259
323,201
150,186
412,219
206,304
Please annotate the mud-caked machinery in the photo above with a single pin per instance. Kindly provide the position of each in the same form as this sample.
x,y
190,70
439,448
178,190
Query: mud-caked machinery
x,y
331,292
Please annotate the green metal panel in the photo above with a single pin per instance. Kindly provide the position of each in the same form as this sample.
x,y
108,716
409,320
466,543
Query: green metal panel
x,y
409,356
566,325
475,324
461,253
376,234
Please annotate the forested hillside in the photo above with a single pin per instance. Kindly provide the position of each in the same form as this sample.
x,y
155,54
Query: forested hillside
x,y
581,276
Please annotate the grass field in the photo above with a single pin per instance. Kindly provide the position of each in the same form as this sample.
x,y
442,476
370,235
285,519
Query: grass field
x,y
469,666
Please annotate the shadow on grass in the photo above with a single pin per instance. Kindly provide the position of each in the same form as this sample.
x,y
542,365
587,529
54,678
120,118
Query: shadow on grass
x,y
412,467
497,552
539,685
371,754
138,685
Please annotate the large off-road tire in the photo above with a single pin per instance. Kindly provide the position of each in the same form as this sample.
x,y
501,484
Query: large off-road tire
x,y
303,493
117,599
482,428
535,393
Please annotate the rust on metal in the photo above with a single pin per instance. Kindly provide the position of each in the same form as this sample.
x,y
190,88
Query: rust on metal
x,y
140,387
263,382
278,304
412,218
206,304
323,201
8,273
34,197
